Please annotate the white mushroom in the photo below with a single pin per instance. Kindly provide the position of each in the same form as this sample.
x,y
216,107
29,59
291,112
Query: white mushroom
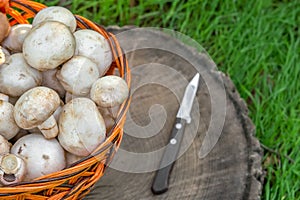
x,y
4,97
109,115
12,169
71,158
16,76
42,156
58,111
4,55
8,126
81,127
14,40
56,13
5,27
69,96
4,145
77,75
109,91
35,108
49,128
48,45
93,45
50,81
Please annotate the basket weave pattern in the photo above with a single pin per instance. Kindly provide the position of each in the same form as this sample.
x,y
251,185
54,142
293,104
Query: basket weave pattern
x,y
76,181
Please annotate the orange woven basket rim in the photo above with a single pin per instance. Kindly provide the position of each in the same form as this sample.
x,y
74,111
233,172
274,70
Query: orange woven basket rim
x,y
102,154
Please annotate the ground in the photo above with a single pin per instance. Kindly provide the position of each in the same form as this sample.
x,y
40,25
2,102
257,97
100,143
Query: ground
x,y
256,43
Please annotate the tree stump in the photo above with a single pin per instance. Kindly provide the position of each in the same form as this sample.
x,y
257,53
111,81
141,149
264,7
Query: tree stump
x,y
230,170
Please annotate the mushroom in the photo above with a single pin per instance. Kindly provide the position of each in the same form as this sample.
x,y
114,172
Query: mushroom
x,y
4,97
48,45
57,112
71,158
109,115
49,128
4,55
50,81
77,75
8,126
81,127
12,169
35,108
56,115
56,13
16,76
14,40
5,27
4,145
69,96
93,45
109,91
42,156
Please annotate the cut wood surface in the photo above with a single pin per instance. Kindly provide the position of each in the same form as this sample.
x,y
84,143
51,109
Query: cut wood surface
x,y
231,170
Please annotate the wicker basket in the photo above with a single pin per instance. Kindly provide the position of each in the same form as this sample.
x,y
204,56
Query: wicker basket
x,y
76,181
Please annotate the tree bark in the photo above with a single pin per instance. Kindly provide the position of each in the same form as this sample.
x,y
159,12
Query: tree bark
x,y
231,170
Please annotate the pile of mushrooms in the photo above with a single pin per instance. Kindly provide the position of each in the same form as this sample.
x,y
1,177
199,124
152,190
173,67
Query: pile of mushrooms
x,y
56,103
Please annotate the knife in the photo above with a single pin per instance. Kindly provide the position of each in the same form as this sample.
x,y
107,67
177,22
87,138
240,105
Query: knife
x,y
161,179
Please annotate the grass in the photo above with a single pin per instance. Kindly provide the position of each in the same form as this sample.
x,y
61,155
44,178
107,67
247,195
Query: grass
x,y
257,43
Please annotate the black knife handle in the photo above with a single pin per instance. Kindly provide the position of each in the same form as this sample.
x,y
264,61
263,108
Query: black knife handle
x,y
161,179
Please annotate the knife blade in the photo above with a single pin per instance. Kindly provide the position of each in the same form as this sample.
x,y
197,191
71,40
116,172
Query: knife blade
x,y
161,180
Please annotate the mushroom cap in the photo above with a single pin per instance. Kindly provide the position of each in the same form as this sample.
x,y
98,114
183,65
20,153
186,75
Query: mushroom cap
x,y
35,106
57,112
5,27
69,96
93,45
4,55
48,45
4,97
71,158
4,145
42,156
56,13
50,81
109,115
109,91
16,76
14,40
77,75
8,126
81,127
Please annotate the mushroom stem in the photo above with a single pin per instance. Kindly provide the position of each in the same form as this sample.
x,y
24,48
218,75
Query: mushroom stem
x,y
49,128
12,169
